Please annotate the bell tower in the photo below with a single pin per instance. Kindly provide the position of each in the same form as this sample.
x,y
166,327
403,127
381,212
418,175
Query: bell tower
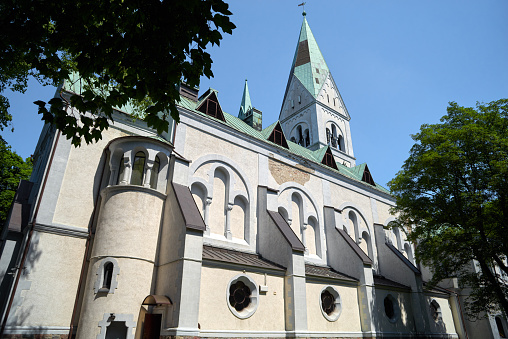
x,y
313,113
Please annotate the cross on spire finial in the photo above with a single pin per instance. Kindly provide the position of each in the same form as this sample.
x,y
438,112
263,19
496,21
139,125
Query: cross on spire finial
x,y
303,4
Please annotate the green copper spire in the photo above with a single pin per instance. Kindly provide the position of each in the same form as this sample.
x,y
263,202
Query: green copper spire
x,y
309,66
246,104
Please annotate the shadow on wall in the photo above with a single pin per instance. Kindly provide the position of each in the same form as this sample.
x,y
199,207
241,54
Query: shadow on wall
x,y
17,315
393,315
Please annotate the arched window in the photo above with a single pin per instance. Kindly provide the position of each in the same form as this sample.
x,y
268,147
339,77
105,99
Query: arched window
x,y
300,135
435,311
328,136
334,136
155,173
138,169
108,274
340,143
121,170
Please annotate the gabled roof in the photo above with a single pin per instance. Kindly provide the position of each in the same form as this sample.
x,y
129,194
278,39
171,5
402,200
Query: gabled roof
x,y
308,65
209,104
275,134
246,104
327,158
313,156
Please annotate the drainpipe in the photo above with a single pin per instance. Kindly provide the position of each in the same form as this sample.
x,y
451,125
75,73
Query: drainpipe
x,y
27,246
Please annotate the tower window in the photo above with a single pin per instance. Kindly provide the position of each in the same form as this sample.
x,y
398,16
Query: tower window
x,y
138,169
155,173
292,103
299,99
328,98
317,81
317,70
108,274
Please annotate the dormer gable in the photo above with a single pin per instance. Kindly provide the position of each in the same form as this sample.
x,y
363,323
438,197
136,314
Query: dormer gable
x,y
328,159
210,105
276,135
367,177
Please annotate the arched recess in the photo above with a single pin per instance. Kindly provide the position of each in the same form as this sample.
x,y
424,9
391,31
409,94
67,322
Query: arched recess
x,y
199,193
398,239
311,237
409,252
363,228
219,203
335,137
366,244
303,214
301,133
228,191
239,217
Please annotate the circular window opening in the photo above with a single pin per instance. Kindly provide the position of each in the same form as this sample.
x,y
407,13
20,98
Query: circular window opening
x,y
330,303
391,309
242,296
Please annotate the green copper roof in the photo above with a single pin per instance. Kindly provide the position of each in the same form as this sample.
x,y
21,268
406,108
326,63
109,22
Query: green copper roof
x,y
313,156
246,104
309,66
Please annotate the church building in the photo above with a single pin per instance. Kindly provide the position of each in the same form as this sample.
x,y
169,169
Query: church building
x,y
217,228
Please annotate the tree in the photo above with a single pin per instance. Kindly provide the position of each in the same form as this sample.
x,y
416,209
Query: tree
x,y
124,51
453,190
12,170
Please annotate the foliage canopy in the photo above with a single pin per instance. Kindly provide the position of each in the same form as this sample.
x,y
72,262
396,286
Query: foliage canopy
x,y
453,190
12,169
125,51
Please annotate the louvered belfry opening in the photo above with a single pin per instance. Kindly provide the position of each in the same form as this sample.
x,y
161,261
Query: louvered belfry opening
x,y
328,159
367,177
278,137
211,107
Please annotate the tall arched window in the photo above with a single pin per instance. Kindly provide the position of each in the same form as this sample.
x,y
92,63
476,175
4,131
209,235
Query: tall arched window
x,y
307,138
138,169
108,274
300,135
334,136
155,173
328,136
340,143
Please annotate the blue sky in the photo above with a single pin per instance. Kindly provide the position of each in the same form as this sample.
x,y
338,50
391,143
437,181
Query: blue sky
x,y
397,64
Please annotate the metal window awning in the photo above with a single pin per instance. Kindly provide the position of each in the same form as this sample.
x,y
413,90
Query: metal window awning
x,y
154,300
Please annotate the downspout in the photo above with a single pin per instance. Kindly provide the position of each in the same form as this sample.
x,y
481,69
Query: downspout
x,y
88,240
27,246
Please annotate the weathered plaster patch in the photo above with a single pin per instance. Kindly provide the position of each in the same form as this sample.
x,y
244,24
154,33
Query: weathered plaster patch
x,y
283,173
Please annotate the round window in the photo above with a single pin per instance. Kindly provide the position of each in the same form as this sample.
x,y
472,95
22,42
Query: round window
x,y
242,296
330,303
391,308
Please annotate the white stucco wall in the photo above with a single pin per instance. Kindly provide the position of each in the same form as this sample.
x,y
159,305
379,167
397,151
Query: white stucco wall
x,y
214,313
349,319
